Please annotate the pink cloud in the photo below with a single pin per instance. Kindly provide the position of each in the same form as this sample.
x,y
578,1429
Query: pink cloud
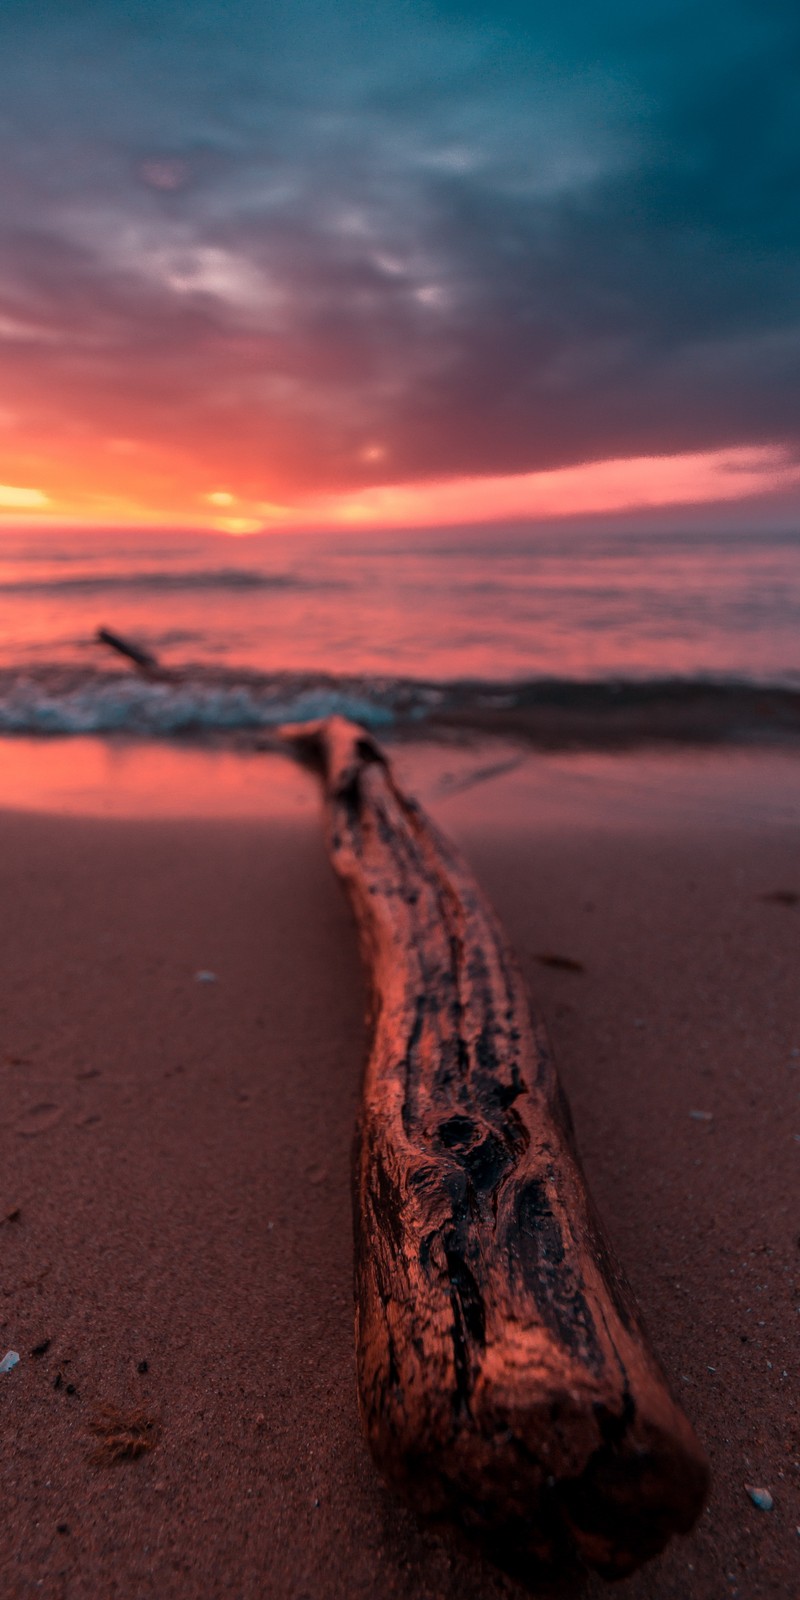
x,y
694,478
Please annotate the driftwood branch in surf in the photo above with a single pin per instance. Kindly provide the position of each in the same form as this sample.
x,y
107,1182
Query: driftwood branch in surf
x,y
505,1378
144,660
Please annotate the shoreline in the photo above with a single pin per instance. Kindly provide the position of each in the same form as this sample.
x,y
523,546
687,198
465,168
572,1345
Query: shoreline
x,y
241,708
179,1154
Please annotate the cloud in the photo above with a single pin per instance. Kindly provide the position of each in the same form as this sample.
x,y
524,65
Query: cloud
x,y
642,483
263,241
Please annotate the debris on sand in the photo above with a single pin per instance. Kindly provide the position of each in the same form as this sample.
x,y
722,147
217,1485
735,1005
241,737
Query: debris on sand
x,y
548,958
10,1360
122,1435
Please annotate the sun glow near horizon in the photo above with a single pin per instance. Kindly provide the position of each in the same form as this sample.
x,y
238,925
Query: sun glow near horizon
x,y
618,485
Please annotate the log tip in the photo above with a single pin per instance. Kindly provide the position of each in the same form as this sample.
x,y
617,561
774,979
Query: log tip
x,y
629,1503
336,748
554,1476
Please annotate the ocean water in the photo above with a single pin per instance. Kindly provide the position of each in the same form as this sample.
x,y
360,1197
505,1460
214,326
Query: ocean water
x,y
380,625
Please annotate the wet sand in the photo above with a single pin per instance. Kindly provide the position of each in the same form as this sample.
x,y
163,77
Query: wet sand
x,y
175,1174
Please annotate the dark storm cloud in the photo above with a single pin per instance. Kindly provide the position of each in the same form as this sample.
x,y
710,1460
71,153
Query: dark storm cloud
x,y
486,239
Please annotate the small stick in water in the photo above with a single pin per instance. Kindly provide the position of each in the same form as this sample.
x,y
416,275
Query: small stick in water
x,y
505,1377
147,663
144,659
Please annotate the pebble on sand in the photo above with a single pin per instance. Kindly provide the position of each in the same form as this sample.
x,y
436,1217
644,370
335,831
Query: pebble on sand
x,y
760,1497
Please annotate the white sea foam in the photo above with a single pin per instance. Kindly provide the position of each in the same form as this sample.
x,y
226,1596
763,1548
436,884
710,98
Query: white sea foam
x,y
204,703
116,704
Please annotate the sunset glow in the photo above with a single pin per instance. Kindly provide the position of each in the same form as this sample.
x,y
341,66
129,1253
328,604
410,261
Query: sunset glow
x,y
142,498
429,270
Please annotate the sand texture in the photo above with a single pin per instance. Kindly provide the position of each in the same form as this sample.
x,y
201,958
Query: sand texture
x,y
175,1191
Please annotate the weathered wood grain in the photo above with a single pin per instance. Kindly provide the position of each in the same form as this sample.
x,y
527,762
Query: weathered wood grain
x,y
504,1375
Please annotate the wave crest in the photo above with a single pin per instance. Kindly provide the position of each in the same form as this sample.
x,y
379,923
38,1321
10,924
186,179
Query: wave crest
x,y
550,713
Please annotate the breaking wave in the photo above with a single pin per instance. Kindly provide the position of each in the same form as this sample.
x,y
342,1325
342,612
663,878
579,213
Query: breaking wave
x,y
214,704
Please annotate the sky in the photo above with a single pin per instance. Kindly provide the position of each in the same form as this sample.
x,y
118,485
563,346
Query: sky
x,y
293,263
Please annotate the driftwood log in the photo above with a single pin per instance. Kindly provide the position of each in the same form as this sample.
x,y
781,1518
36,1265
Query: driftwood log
x,y
504,1376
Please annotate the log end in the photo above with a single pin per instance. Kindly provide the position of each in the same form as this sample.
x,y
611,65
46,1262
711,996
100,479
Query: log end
x,y
634,1485
533,1413
647,1481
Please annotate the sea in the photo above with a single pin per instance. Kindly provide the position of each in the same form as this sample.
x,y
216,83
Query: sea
x,y
389,628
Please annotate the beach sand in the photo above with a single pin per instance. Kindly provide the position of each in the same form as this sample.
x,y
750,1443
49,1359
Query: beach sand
x,y
174,1180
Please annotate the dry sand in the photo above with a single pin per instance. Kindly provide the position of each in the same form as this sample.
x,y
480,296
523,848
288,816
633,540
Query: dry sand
x,y
175,1181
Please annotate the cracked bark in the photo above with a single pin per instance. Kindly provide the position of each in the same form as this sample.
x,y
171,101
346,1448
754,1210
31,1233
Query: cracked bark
x,y
505,1379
